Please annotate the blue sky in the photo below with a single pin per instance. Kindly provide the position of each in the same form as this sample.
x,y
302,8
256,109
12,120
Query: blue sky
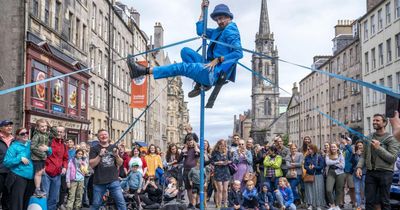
x,y
302,29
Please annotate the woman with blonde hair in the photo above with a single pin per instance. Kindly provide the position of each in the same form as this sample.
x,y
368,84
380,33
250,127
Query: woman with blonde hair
x,y
284,194
244,161
220,160
335,176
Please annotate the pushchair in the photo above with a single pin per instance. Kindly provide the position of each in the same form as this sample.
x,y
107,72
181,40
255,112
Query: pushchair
x,y
109,203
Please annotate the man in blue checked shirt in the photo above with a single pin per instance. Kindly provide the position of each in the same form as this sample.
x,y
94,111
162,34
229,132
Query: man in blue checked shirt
x,y
220,59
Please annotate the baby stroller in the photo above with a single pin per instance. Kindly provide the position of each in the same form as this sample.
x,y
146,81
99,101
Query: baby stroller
x,y
109,203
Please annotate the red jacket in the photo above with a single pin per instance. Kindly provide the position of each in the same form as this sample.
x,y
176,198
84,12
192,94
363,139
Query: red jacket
x,y
58,159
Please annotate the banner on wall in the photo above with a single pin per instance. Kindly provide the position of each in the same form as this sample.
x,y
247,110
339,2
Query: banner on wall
x,y
139,90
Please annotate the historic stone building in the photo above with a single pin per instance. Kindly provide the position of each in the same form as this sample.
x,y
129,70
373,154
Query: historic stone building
x,y
242,125
314,93
114,33
346,97
380,53
339,99
157,113
265,96
42,39
293,116
177,112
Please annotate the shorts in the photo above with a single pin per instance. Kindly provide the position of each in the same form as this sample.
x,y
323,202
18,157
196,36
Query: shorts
x,y
196,189
38,165
349,180
186,178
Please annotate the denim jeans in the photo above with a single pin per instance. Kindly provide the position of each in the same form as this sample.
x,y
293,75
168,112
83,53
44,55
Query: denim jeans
x,y
85,198
280,200
294,182
51,185
359,185
115,191
272,184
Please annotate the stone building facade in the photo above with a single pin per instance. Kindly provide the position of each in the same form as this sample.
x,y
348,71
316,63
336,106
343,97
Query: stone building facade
x,y
346,97
114,33
265,96
314,93
178,113
44,39
157,113
293,116
380,54
242,124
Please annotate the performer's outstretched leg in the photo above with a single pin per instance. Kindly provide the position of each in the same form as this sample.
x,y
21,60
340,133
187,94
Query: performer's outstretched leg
x,y
195,71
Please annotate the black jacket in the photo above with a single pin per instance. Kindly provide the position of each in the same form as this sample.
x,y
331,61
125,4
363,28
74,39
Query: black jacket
x,y
3,150
235,198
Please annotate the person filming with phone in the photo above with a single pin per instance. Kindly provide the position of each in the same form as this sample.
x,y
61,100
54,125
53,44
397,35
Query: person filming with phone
x,y
379,157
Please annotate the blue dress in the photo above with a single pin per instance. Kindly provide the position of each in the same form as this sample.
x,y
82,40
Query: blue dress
x,y
221,172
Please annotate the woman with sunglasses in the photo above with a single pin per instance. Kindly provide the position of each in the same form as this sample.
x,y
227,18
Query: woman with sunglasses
x,y
18,160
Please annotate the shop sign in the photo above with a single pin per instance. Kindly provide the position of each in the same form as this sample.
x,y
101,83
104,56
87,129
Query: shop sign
x,y
55,122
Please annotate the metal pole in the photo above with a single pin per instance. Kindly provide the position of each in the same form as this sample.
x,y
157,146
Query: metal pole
x,y
202,96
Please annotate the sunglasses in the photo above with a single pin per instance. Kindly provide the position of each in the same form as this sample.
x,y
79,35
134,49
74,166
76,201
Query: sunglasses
x,y
23,133
241,144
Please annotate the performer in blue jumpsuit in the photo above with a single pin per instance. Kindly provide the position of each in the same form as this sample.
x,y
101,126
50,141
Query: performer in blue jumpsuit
x,y
220,59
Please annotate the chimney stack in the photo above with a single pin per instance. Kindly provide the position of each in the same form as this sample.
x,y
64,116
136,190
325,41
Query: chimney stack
x,y
136,16
158,35
372,3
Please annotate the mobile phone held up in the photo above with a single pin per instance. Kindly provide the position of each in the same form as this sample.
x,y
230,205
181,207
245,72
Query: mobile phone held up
x,y
392,105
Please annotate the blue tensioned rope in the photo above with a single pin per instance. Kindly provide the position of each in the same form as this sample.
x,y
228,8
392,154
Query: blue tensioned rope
x,y
362,136
137,119
362,83
262,77
2,92
202,111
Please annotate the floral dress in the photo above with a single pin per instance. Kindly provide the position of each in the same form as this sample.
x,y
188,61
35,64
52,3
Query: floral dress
x,y
221,172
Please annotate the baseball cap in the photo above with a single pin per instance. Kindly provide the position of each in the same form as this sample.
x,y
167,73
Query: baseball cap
x,y
6,122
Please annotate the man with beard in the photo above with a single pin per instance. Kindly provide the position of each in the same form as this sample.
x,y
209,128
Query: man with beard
x,y
379,157
221,60
235,143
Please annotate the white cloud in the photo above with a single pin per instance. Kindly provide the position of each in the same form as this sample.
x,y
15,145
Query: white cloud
x,y
301,29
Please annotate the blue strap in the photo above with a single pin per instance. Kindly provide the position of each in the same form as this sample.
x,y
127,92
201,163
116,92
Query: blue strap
x,y
2,92
362,83
137,119
342,125
262,77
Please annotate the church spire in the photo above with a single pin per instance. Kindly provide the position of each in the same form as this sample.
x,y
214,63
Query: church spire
x,y
264,19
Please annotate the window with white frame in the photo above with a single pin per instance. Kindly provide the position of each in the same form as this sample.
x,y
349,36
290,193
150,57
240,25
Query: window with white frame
x,y
353,113
388,14
372,20
373,59
390,82
100,23
368,93
398,81
380,20
397,46
91,93
359,111
365,30
397,5
94,14
381,95
366,62
389,50
47,12
98,96
380,51
374,96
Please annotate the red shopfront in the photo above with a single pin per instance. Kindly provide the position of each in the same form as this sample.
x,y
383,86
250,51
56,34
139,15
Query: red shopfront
x,y
62,101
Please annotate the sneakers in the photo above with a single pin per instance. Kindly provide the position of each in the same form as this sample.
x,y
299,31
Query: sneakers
x,y
136,70
39,193
197,89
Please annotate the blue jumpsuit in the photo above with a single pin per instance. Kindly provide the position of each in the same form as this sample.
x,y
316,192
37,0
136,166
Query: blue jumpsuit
x,y
193,66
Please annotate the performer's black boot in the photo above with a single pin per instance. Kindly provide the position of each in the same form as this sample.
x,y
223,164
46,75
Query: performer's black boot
x,y
136,70
197,89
